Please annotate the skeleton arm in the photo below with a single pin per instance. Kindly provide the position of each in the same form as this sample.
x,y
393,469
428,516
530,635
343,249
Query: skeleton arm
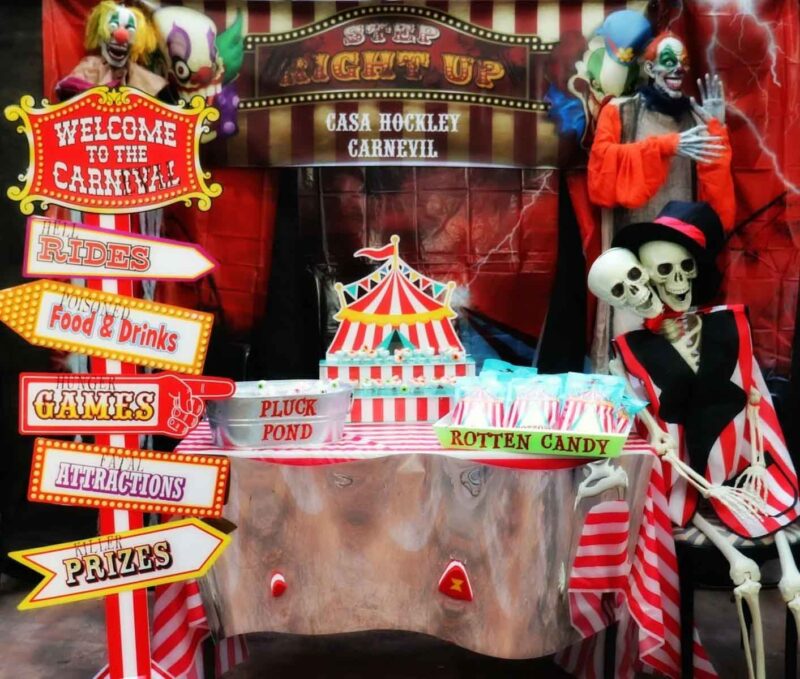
x,y
663,443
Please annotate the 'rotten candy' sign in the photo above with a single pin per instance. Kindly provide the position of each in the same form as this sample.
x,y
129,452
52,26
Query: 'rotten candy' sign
x,y
145,557
85,475
69,318
59,249
113,151
71,403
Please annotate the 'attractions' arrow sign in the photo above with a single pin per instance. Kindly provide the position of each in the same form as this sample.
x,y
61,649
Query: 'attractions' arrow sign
x,y
70,318
72,403
115,563
60,249
85,475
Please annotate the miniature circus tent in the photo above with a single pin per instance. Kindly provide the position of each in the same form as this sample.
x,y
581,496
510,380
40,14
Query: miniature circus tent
x,y
394,303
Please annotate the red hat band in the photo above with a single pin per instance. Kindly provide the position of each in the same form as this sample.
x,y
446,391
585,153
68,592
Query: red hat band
x,y
685,228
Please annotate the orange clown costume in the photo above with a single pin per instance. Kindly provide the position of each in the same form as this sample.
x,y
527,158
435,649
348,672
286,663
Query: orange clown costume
x,y
635,164
633,174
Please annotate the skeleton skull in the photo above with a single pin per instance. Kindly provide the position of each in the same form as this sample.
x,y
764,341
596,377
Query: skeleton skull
x,y
618,278
672,269
187,41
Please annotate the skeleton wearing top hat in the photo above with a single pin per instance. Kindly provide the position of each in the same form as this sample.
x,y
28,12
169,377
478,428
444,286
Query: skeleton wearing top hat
x,y
710,414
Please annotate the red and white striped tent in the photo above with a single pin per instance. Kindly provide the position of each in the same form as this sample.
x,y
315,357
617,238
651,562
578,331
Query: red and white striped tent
x,y
394,298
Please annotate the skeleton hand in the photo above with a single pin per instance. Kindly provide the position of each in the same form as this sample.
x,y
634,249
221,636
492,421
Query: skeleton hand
x,y
700,146
662,442
712,97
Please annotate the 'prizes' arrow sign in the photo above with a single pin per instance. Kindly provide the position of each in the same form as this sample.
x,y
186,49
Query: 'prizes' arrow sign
x,y
73,403
70,318
60,249
110,564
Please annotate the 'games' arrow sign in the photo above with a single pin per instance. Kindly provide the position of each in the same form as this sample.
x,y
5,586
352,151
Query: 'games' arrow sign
x,y
86,475
60,249
71,403
70,318
115,563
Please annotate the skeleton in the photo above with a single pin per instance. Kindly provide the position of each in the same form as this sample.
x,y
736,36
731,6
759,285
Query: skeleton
x,y
672,270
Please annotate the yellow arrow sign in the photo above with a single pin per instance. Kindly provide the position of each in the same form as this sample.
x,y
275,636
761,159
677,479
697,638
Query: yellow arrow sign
x,y
71,318
110,564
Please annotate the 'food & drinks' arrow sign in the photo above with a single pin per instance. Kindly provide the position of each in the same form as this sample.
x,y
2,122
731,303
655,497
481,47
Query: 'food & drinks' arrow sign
x,y
113,151
115,563
71,403
86,475
70,318
60,249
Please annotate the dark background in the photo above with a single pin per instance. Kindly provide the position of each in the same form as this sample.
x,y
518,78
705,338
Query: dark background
x,y
22,524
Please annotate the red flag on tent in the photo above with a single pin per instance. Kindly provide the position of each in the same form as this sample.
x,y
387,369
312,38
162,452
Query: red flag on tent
x,y
385,252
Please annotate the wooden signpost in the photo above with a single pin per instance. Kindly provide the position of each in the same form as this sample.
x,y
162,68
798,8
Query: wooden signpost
x,y
110,153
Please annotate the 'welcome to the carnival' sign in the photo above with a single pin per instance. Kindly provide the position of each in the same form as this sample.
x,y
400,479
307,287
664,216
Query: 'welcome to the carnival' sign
x,y
113,151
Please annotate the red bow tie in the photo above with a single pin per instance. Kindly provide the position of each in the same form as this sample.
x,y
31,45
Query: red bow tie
x,y
654,324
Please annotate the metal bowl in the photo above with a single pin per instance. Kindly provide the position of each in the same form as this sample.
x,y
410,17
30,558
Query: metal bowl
x,y
280,413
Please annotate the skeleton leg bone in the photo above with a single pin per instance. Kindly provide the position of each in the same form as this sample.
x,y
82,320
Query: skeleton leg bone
x,y
746,575
789,584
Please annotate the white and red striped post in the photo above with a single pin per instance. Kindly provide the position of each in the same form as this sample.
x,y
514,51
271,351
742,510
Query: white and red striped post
x,y
127,619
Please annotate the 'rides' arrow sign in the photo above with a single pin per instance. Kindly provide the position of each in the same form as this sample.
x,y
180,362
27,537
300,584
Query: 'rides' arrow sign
x,y
72,403
60,249
115,563
69,318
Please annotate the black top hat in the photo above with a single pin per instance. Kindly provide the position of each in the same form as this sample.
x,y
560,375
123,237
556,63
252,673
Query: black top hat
x,y
695,226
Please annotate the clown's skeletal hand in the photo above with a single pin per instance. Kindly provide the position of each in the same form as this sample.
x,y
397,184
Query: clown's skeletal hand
x,y
712,99
700,146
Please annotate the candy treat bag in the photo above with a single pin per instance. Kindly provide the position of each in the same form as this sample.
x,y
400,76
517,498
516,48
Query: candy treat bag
x,y
590,402
535,402
626,413
480,402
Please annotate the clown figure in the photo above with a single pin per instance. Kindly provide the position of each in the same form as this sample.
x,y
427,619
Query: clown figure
x,y
120,39
649,148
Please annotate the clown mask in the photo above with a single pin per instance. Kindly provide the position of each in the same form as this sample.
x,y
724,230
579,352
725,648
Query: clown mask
x,y
669,67
187,41
120,33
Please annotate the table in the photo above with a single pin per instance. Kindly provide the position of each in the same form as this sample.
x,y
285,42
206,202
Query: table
x,y
362,532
